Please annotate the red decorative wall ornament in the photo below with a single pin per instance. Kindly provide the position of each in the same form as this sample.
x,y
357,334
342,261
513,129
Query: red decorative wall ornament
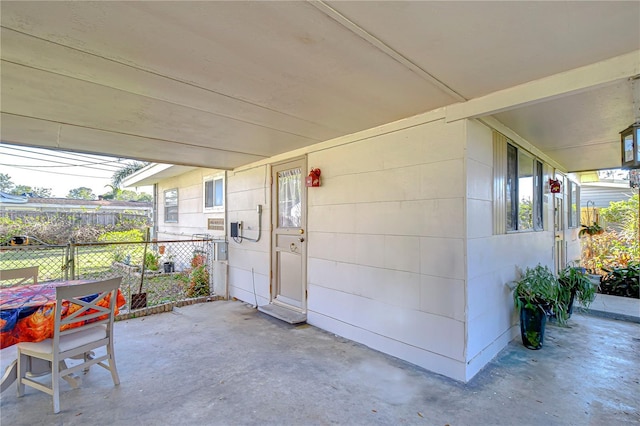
x,y
555,186
314,178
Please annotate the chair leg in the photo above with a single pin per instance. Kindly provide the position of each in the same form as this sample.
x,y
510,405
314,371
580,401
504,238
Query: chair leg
x,y
112,364
22,371
87,356
55,386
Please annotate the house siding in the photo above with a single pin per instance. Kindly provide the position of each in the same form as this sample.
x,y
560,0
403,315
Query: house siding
x,y
249,262
191,216
401,253
386,260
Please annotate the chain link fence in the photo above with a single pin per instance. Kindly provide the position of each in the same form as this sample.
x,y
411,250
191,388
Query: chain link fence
x,y
161,271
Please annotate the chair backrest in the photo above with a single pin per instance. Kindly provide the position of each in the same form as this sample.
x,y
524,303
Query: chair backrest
x,y
81,306
21,276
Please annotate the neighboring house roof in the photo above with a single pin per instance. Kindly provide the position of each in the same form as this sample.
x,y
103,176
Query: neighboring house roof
x,y
12,199
70,203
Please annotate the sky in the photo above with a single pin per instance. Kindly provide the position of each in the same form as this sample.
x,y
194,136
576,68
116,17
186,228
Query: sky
x,y
60,171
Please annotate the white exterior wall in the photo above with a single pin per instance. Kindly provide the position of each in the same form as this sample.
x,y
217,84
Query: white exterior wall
x,y
191,216
386,260
401,253
493,260
249,262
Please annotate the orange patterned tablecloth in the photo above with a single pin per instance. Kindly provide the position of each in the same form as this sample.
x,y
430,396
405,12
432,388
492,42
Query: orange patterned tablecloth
x,y
27,312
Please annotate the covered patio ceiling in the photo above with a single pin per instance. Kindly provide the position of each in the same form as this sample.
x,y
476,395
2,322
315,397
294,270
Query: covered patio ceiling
x,y
224,84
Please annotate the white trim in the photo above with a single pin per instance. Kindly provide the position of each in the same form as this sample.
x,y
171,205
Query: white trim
x,y
164,205
213,178
405,123
571,82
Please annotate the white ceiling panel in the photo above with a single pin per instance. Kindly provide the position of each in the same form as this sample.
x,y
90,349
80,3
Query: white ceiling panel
x,y
233,82
554,127
479,47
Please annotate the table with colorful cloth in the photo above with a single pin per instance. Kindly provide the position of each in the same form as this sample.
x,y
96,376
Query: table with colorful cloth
x,y
27,314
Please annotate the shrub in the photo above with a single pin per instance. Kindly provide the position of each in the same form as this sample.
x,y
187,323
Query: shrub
x,y
199,282
198,277
134,235
151,261
609,250
59,229
120,251
622,281
624,214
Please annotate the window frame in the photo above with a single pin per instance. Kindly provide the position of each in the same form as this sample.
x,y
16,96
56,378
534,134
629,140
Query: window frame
x,y
168,208
213,179
573,217
513,190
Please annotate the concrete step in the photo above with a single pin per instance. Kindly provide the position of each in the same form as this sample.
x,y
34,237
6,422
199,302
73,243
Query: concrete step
x,y
284,314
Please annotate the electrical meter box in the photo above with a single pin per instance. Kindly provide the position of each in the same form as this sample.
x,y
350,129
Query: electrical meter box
x,y
221,249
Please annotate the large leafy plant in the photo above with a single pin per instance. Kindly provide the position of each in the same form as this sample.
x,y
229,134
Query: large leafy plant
x,y
575,281
538,288
622,281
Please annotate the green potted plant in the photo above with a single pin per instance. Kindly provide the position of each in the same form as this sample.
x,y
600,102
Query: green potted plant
x,y
536,295
591,230
575,284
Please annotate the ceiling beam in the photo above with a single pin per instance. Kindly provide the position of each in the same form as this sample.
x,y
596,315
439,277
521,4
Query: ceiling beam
x,y
566,83
383,47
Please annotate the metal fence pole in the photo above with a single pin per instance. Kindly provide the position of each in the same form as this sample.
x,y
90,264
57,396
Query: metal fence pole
x,y
72,259
65,263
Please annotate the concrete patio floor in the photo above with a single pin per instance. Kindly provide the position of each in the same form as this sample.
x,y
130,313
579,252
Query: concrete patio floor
x,y
226,363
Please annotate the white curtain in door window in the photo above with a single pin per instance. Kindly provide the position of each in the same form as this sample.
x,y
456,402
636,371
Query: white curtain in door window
x,y
289,198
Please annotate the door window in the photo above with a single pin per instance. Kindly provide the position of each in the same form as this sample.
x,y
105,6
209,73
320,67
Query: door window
x,y
289,198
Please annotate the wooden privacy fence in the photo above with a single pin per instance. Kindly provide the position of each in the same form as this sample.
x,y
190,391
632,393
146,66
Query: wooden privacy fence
x,y
588,215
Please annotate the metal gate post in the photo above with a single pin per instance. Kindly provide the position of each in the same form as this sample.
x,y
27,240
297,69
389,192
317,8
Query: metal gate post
x,y
72,260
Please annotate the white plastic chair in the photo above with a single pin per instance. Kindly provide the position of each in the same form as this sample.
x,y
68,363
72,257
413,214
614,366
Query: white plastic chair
x,y
28,275
76,341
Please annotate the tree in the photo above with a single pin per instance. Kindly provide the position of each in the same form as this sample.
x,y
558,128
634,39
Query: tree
x,y
33,191
124,172
145,197
125,195
5,183
624,213
81,193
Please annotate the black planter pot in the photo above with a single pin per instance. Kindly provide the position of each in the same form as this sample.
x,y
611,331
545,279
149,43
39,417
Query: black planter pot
x,y
168,267
532,325
570,305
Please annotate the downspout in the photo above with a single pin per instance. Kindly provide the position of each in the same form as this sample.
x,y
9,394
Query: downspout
x,y
154,211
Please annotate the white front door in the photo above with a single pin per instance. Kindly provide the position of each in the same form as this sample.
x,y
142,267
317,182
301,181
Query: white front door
x,y
289,237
